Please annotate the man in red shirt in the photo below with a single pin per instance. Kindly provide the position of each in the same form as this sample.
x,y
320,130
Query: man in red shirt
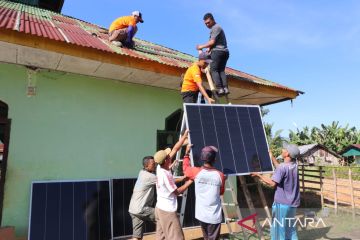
x,y
209,185
123,29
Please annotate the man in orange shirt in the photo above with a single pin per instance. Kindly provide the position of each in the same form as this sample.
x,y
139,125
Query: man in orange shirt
x,y
192,83
123,29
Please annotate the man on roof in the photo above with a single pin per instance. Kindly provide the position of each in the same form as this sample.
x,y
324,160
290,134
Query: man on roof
x,y
192,82
217,47
123,29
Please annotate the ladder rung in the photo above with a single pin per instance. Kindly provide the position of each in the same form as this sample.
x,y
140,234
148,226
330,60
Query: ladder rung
x,y
251,184
230,204
232,219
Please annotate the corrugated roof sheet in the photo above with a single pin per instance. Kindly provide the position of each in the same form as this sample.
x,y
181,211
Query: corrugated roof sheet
x,y
51,25
304,148
356,145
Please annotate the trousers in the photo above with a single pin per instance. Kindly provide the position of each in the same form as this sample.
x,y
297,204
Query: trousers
x,y
217,67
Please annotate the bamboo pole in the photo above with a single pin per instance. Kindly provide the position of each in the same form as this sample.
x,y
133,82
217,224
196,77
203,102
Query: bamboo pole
x,y
321,187
351,190
335,189
263,199
251,205
303,183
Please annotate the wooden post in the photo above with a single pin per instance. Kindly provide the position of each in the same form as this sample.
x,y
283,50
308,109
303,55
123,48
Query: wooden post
x,y
303,182
335,189
351,190
230,187
251,205
209,78
321,186
262,198
303,178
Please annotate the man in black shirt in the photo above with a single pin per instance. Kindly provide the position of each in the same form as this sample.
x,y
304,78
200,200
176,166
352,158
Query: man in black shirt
x,y
217,47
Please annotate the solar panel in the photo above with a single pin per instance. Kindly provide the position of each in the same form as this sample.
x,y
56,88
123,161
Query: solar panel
x,y
70,210
236,130
122,223
87,210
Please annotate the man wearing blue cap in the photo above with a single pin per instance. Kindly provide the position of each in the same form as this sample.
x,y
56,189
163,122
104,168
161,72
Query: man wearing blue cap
x,y
287,194
209,185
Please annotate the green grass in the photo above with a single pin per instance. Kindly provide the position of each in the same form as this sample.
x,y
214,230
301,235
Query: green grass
x,y
341,172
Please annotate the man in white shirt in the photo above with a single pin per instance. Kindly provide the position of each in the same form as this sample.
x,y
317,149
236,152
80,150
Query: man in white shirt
x,y
167,222
209,185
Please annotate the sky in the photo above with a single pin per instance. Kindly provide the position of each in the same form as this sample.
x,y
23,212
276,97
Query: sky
x,y
311,46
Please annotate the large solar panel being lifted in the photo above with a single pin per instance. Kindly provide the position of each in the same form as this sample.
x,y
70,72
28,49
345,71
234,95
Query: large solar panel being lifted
x,y
236,130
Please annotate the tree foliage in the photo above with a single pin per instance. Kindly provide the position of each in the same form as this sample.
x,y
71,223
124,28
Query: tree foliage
x,y
274,139
333,136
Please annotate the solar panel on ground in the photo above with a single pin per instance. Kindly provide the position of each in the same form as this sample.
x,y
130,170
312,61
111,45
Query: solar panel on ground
x,y
70,210
82,210
122,223
236,130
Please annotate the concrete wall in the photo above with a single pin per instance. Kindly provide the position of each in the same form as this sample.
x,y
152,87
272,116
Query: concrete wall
x,y
75,127
321,157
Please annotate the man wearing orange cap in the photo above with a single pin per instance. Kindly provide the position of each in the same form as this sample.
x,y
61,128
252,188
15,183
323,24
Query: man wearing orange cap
x,y
167,222
123,29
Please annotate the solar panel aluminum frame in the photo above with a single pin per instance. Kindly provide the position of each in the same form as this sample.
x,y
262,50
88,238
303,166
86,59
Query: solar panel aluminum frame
x,y
186,126
113,237
65,181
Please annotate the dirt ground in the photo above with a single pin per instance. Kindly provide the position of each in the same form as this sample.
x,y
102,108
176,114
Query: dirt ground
x,y
343,189
326,224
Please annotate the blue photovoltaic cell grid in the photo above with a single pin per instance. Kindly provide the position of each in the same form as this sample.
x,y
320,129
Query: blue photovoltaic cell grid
x,y
70,210
81,210
237,131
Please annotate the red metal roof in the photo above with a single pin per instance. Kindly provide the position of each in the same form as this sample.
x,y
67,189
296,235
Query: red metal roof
x,y
51,25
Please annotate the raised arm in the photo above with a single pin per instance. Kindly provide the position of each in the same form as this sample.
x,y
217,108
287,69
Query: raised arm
x,y
189,171
178,145
209,45
265,179
273,159
204,93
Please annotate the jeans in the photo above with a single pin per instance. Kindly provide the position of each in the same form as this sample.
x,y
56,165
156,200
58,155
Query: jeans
x,y
217,68
283,223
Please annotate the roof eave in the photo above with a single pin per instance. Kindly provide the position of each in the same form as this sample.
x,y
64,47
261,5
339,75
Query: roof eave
x,y
23,39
